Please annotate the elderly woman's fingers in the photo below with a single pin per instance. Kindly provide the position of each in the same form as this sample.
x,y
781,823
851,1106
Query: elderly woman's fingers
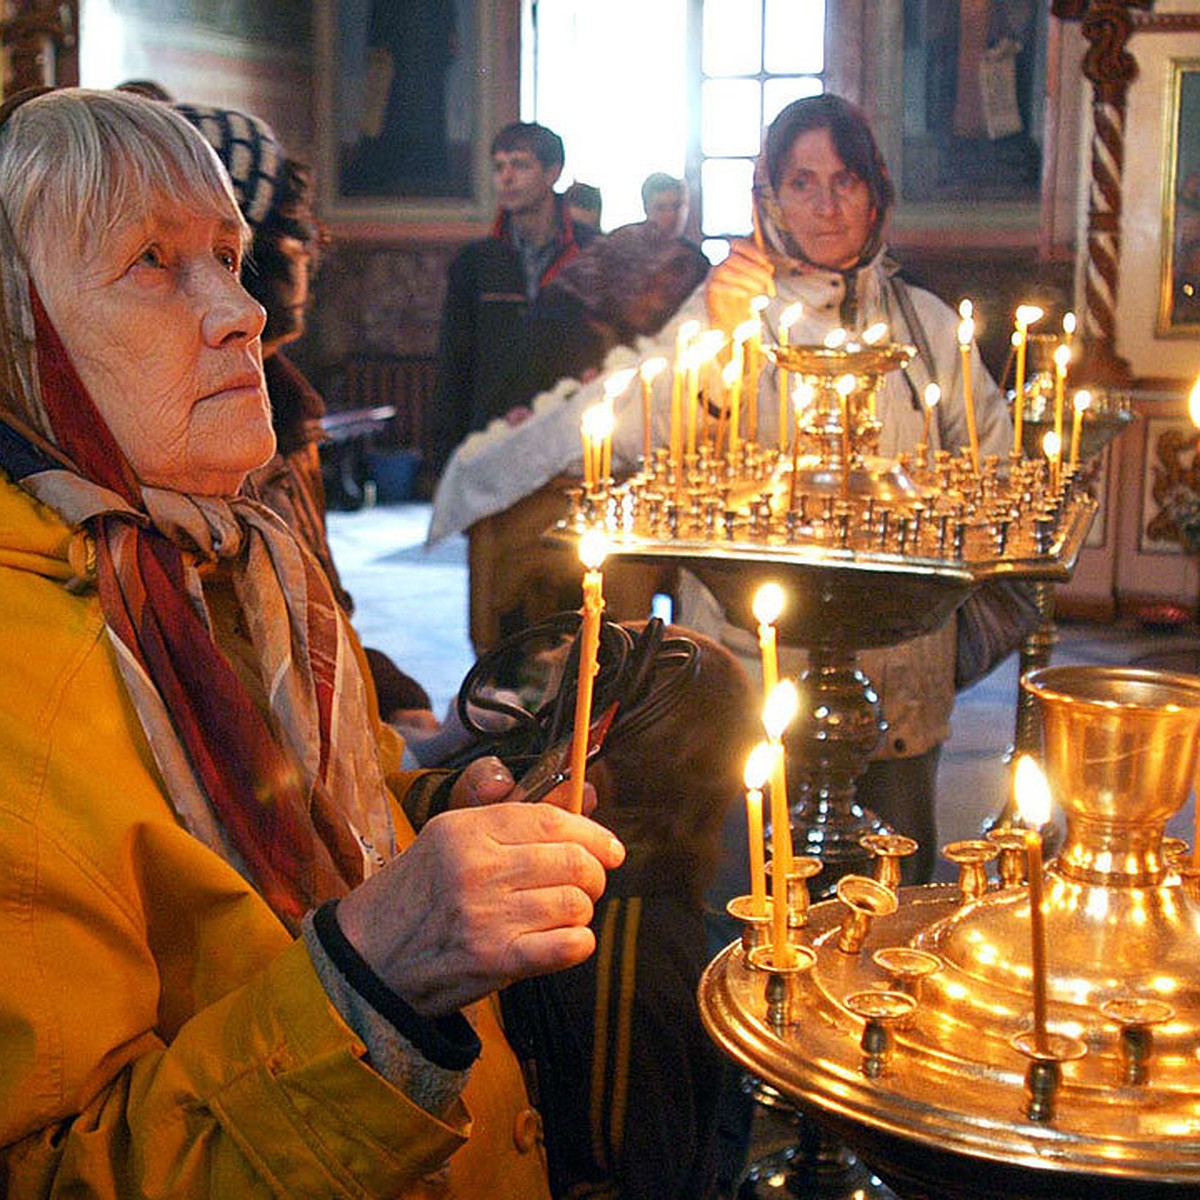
x,y
483,896
485,781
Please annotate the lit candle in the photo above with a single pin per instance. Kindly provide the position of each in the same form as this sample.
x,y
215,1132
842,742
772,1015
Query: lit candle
x,y
1068,327
966,333
683,340
591,426
933,394
874,334
1033,805
1026,315
779,712
844,387
757,305
767,605
650,370
1062,357
1081,403
835,339
592,549
758,771
614,385
802,397
787,319
741,335
1052,449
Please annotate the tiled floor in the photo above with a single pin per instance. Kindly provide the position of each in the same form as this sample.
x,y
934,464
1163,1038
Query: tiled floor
x,y
412,603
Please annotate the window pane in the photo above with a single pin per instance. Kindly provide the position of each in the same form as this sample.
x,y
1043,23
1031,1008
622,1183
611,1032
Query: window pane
x,y
795,41
732,37
726,191
779,93
716,250
731,117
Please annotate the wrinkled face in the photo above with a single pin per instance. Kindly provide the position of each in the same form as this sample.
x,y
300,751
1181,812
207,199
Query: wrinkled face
x,y
826,207
668,211
522,184
166,341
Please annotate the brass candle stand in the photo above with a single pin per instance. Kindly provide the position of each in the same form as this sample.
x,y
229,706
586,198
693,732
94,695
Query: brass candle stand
x,y
871,552
955,1097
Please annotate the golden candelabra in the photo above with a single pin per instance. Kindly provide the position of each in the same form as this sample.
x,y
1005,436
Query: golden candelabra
x,y
872,551
910,1028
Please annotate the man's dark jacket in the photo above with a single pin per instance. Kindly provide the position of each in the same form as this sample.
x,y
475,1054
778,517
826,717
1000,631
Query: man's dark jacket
x,y
482,323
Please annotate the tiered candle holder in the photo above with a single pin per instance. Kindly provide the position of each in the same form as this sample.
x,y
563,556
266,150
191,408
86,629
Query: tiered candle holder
x,y
958,1097
871,551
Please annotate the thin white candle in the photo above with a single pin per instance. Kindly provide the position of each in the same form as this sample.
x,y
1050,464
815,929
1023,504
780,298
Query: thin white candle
x,y
1033,806
758,770
592,549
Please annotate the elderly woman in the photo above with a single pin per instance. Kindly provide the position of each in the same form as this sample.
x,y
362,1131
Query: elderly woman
x,y
822,197
220,977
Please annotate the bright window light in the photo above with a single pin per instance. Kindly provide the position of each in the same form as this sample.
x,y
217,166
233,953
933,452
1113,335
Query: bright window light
x,y
779,93
732,37
726,187
732,117
619,102
795,41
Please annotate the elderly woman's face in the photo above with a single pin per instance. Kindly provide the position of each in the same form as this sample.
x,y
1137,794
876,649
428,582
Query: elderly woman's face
x,y
826,207
167,343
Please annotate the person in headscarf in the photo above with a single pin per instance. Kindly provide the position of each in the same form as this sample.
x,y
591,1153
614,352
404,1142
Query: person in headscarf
x,y
231,968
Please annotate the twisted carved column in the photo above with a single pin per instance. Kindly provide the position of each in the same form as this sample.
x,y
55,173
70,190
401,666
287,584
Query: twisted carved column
x,y
1107,26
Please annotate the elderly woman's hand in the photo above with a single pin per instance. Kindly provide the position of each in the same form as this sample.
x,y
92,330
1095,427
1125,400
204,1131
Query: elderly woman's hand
x,y
482,897
488,781
745,274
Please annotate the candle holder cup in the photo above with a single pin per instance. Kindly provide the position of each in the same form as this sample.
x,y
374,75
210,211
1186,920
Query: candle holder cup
x,y
1137,1016
756,927
783,981
865,899
881,1011
889,849
1012,861
1043,1077
971,856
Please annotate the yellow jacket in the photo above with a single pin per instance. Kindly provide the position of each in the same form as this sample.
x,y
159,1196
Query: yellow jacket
x,y
161,1034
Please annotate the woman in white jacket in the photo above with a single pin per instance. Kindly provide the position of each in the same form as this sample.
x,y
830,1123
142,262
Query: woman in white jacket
x,y
822,196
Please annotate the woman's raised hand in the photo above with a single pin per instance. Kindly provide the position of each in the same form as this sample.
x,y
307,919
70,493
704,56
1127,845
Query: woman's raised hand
x,y
734,283
484,896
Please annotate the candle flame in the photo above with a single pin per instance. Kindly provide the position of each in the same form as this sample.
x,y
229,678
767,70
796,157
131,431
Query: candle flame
x,y
875,333
710,343
731,373
834,338
687,331
1032,792
746,330
652,368
966,329
593,547
966,309
780,709
616,383
759,303
846,384
933,394
1068,323
1051,444
1028,314
759,764
1194,403
1062,357
1082,401
802,396
1017,338
790,316
768,603
597,422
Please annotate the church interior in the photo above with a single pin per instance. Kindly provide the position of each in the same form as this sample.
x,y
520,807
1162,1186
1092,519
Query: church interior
x,y
1057,173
